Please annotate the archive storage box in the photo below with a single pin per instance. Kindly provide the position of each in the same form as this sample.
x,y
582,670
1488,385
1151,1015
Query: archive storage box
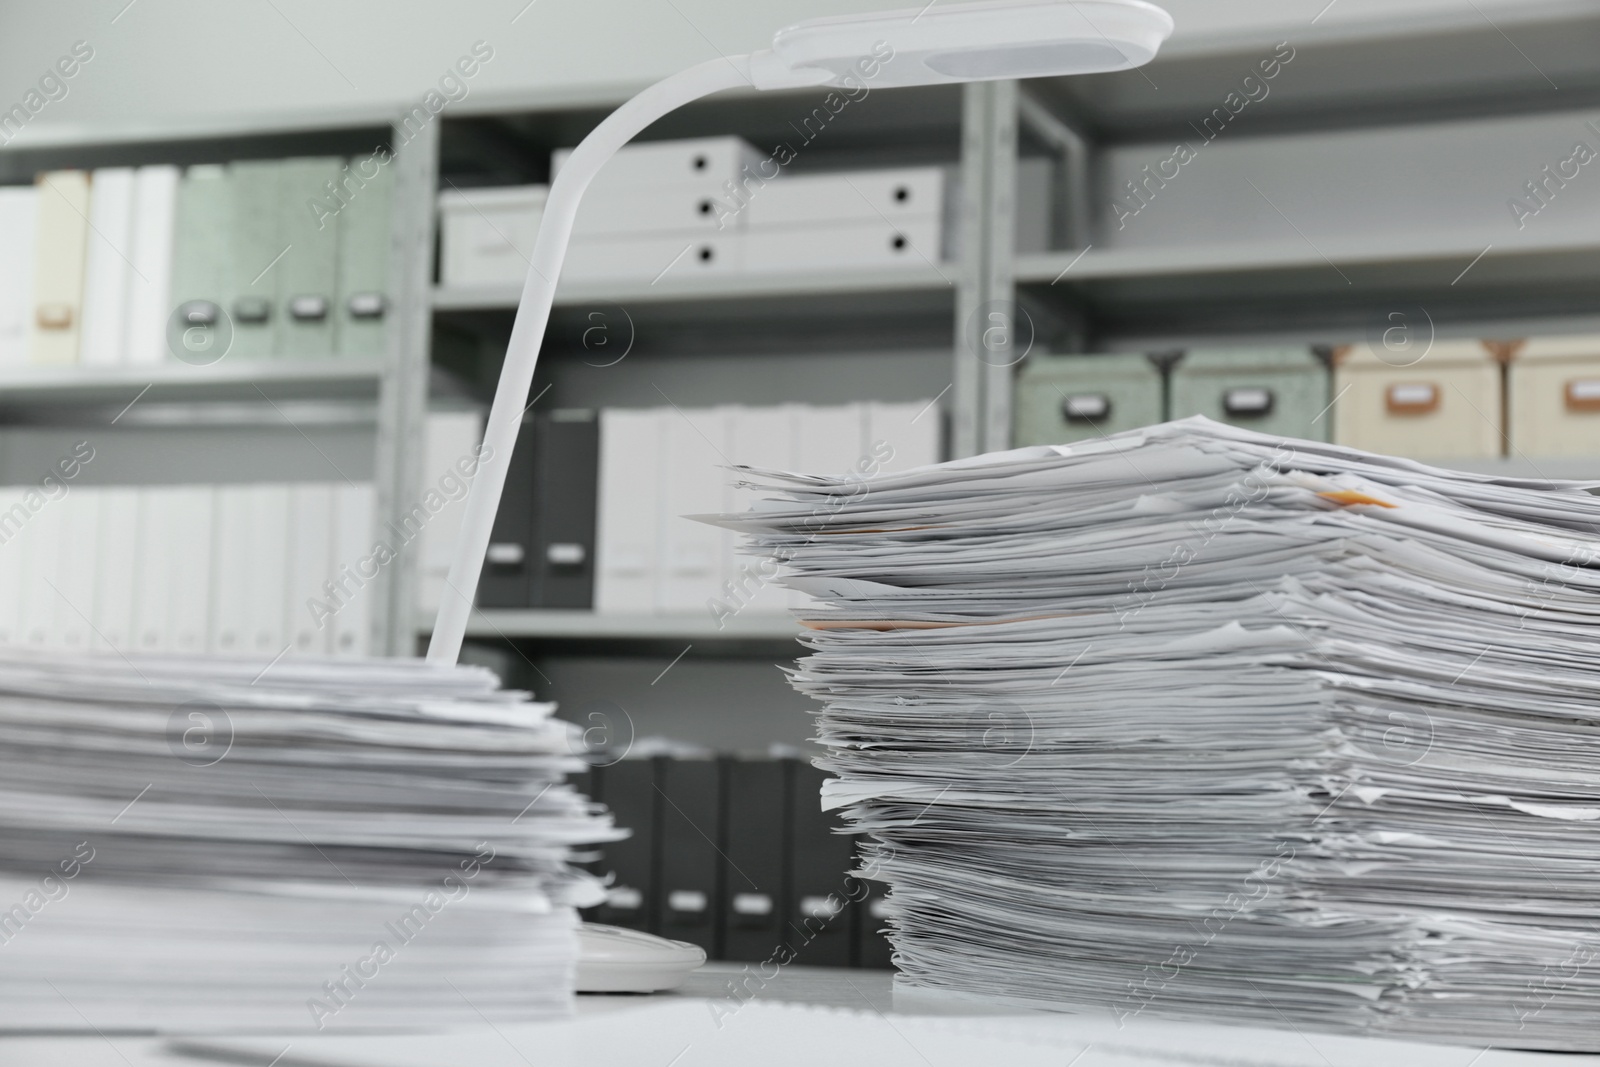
x,y
1444,405
705,161
1274,390
486,235
1554,403
867,218
1060,399
651,257
844,245
883,197
662,210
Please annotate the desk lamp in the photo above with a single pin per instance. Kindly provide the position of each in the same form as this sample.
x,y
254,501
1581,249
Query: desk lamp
x,y
937,45
983,41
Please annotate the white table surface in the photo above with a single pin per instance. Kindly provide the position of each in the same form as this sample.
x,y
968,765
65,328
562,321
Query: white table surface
x,y
732,1014
820,986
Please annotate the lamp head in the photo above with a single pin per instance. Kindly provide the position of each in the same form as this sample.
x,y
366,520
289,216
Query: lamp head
x,y
983,41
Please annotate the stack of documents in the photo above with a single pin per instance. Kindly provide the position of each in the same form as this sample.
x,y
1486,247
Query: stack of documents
x,y
1196,721
206,845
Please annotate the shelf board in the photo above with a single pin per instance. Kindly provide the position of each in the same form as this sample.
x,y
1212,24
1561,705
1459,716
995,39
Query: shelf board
x,y
310,378
909,278
1071,267
1332,291
1349,71
689,626
1557,468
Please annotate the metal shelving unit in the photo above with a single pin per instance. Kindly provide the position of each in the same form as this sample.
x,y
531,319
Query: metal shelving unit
x,y
403,393
588,625
1263,265
219,381
1287,277
834,322
1373,174
909,278
278,418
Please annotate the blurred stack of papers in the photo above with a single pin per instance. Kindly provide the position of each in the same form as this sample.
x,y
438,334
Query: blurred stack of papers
x,y
1194,721
204,845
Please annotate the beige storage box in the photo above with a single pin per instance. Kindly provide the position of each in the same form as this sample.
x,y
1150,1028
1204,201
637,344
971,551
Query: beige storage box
x,y
1554,401
1444,405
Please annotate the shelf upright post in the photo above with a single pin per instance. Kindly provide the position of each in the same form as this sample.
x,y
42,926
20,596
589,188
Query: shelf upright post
x,y
403,386
990,339
1072,220
966,398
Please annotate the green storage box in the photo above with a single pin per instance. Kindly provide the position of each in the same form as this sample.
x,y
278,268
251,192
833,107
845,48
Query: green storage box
x,y
1274,390
1060,399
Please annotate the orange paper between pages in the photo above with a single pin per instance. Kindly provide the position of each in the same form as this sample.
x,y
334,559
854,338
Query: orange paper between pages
x,y
1351,496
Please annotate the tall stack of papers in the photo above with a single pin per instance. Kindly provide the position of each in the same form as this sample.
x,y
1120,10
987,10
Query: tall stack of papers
x,y
1196,721
208,845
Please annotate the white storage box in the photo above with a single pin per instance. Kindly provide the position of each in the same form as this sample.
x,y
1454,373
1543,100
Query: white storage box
x,y
1445,405
686,209
843,246
486,235
868,195
648,258
707,161
1554,384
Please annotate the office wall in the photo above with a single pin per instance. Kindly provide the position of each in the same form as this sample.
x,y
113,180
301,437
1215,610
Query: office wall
x,y
158,63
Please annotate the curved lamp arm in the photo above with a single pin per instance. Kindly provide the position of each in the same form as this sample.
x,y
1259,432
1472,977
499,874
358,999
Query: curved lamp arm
x,y
533,314
979,41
